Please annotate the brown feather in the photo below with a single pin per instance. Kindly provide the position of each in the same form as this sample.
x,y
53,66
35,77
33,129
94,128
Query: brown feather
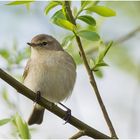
x,y
26,70
36,116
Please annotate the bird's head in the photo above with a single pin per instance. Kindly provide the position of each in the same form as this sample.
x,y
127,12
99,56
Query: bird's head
x,y
44,42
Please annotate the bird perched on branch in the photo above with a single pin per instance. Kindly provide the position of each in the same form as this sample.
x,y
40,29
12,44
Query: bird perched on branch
x,y
50,71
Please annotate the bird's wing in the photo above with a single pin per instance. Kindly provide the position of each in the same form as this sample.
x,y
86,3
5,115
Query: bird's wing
x,y
26,70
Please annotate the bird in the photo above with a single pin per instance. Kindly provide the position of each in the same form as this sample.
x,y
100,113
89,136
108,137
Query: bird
x,y
50,71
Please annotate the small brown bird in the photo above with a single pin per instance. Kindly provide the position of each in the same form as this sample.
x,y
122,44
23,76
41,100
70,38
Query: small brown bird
x,y
50,71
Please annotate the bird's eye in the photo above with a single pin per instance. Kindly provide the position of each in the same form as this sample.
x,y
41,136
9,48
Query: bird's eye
x,y
44,43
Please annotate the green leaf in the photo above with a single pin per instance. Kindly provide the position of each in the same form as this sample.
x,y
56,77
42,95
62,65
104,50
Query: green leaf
x,y
91,62
99,74
28,6
19,2
67,41
6,98
5,95
103,53
50,6
102,10
99,62
59,19
4,121
20,56
22,127
102,64
88,19
89,35
64,24
4,53
85,3
58,14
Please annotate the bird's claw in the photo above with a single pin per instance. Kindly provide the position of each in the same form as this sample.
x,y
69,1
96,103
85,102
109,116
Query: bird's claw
x,y
68,113
67,116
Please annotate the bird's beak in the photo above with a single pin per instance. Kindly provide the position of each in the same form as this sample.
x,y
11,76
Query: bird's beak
x,y
31,44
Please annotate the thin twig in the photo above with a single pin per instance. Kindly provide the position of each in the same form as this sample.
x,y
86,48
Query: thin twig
x,y
78,135
51,107
90,74
127,36
117,41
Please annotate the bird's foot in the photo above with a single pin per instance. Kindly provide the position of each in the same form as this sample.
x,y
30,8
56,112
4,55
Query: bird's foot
x,y
68,116
68,113
38,95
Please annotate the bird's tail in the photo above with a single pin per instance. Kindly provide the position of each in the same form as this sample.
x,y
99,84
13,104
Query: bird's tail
x,y
36,116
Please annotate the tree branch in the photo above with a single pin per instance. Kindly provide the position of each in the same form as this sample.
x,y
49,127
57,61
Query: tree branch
x,y
78,135
127,36
117,41
51,107
90,73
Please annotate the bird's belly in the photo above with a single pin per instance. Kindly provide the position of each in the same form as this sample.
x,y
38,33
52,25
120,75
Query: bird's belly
x,y
55,82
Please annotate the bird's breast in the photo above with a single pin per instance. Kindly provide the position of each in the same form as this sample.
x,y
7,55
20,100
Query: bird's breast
x,y
53,75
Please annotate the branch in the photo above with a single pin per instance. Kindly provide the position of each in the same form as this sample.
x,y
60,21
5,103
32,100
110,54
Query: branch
x,y
90,73
78,135
127,36
117,41
51,107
